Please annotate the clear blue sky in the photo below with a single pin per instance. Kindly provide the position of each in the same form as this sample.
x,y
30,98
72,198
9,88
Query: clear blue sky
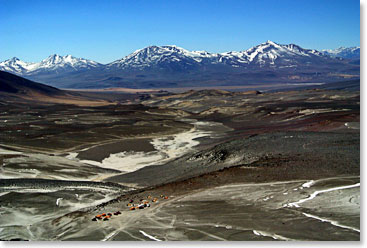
x,y
111,29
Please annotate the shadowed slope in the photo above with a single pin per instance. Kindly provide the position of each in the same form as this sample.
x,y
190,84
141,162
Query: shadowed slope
x,y
11,83
15,88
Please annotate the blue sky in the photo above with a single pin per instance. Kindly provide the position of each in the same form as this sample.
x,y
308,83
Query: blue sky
x,y
108,30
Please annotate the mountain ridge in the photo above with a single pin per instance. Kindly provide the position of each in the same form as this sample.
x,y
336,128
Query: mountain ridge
x,y
171,66
198,56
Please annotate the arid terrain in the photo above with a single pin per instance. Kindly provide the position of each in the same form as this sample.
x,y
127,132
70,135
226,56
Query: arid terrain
x,y
180,121
197,165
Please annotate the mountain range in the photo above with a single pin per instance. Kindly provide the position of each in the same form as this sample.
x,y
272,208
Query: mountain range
x,y
172,66
344,52
54,63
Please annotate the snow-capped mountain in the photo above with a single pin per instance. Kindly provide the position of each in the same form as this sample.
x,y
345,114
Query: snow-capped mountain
x,y
344,52
173,66
16,66
53,63
154,56
275,54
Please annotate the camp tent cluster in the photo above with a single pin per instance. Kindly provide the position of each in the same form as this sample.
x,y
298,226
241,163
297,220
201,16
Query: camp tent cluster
x,y
141,204
105,216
